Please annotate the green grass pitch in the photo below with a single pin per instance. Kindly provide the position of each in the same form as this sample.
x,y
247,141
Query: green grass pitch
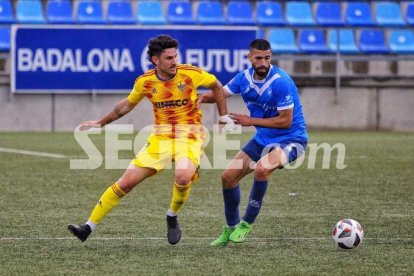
x,y
40,195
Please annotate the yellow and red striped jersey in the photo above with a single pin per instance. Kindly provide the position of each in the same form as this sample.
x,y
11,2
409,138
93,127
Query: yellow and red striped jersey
x,y
174,100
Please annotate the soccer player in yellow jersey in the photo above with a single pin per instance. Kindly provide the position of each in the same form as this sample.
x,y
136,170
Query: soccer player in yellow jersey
x,y
177,134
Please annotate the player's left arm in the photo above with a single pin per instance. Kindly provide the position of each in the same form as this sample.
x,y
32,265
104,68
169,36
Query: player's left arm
x,y
285,104
208,97
283,120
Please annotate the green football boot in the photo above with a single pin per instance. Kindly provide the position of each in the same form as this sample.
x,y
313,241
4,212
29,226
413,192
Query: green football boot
x,y
240,233
224,237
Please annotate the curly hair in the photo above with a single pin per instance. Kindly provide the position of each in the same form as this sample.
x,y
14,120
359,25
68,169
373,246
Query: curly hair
x,y
158,44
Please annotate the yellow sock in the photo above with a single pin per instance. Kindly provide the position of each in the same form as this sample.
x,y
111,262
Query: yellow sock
x,y
109,199
180,196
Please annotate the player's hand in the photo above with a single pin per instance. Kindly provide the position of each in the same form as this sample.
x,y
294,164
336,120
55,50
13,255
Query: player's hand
x,y
229,125
200,100
89,124
241,119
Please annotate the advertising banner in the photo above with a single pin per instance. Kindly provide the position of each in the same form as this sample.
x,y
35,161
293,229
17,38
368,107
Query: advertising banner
x,y
80,59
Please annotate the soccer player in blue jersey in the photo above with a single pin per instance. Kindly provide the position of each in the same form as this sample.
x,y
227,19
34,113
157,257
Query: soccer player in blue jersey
x,y
276,112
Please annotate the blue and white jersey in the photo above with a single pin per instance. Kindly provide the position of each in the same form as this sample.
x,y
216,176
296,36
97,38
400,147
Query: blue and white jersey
x,y
265,98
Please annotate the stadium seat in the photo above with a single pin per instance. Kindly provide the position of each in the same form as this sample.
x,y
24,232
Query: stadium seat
x,y
180,12
346,41
4,39
120,12
6,12
409,13
59,12
90,12
329,14
150,13
299,13
30,12
388,14
210,13
240,13
359,14
269,14
372,41
401,41
313,41
282,41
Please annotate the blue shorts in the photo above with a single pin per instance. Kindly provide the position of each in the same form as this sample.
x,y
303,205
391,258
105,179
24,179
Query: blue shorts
x,y
292,149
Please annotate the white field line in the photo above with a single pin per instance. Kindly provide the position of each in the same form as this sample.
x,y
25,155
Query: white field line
x,y
191,238
34,153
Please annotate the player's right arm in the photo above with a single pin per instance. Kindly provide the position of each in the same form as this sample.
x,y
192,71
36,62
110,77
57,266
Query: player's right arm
x,y
121,108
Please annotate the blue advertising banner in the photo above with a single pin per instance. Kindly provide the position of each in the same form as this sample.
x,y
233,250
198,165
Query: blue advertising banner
x,y
108,59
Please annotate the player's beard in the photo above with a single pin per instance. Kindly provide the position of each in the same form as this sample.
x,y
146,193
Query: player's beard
x,y
170,72
262,73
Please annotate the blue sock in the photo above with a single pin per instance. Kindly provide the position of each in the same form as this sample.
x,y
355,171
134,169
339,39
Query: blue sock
x,y
255,200
231,205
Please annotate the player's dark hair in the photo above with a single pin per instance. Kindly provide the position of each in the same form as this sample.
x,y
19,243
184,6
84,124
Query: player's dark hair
x,y
260,44
158,44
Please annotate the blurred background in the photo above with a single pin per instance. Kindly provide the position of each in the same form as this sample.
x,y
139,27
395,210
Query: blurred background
x,y
352,60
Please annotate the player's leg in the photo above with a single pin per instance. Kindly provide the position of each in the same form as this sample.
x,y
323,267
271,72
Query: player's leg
x,y
184,172
110,199
275,159
239,167
262,171
264,168
148,162
187,154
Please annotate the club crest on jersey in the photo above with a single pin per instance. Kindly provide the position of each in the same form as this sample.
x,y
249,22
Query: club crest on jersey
x,y
154,91
181,86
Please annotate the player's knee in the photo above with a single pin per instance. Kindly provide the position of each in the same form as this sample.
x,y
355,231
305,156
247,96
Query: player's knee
x,y
227,180
261,173
183,179
125,185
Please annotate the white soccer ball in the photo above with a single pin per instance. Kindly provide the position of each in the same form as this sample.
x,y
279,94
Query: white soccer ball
x,y
348,233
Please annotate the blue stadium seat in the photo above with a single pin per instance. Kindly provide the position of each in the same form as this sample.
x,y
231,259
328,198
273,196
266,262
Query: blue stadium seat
x,y
269,14
180,12
59,12
359,14
90,12
240,13
150,13
4,39
313,41
299,13
389,14
346,41
329,14
120,12
282,41
30,12
409,13
210,13
6,12
401,41
372,41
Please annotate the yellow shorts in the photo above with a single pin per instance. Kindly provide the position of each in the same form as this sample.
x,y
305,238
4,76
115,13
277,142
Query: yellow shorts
x,y
159,151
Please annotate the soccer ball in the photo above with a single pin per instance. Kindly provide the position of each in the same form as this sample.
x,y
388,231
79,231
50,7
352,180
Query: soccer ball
x,y
348,233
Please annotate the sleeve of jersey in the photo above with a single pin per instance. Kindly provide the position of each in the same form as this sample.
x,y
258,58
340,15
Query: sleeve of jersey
x,y
285,96
136,94
206,79
233,86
